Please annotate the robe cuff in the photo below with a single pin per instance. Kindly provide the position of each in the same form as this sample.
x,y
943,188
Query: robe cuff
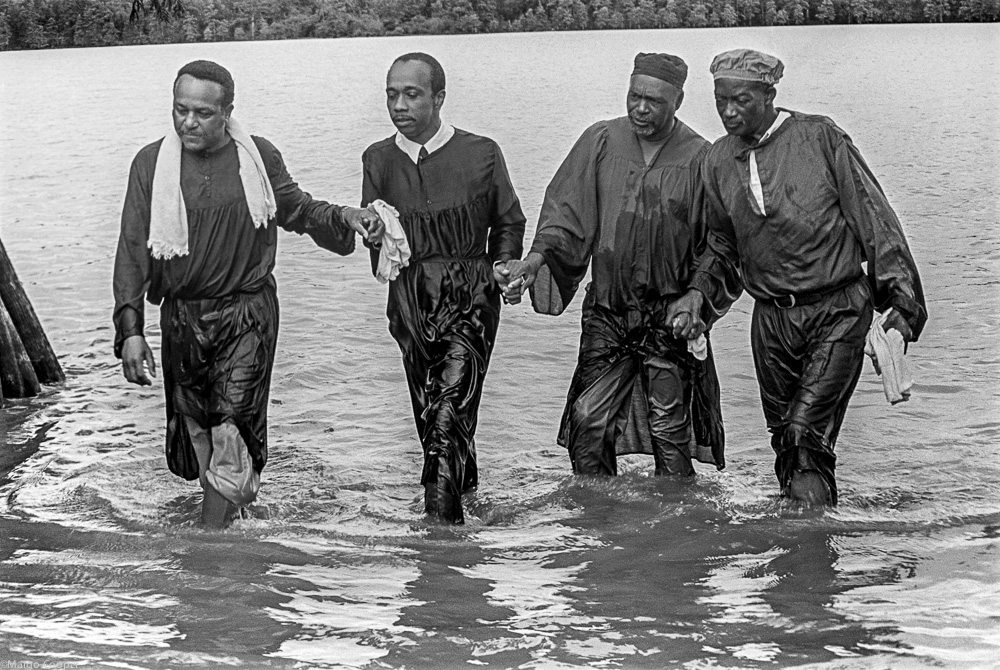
x,y
124,335
128,324
911,311
704,284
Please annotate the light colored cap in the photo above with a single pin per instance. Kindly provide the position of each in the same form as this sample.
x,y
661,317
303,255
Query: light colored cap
x,y
748,65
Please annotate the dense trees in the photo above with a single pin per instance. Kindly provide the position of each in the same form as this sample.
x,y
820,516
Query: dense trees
x,y
41,24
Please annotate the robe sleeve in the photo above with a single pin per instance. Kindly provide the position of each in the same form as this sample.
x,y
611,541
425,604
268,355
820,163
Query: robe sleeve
x,y
506,238
892,271
718,266
132,261
369,194
724,287
299,212
568,223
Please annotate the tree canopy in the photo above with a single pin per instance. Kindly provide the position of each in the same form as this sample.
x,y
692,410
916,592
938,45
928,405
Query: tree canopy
x,y
44,24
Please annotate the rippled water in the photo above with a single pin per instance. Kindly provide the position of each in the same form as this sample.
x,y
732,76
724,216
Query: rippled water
x,y
102,563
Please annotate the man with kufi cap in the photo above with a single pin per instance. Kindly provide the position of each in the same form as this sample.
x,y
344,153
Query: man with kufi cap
x,y
624,202
794,211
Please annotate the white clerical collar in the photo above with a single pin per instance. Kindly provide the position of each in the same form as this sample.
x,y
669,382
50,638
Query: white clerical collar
x,y
412,149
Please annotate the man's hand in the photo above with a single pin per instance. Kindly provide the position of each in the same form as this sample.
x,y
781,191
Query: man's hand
x,y
135,352
515,277
894,319
364,222
684,315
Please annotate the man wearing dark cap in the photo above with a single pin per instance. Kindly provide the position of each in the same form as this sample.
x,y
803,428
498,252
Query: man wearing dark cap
x,y
198,237
624,202
793,210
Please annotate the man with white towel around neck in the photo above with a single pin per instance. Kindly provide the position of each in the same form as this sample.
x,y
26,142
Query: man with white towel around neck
x,y
198,237
792,207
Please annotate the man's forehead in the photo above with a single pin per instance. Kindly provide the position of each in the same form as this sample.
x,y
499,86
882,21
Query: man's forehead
x,y
409,74
737,86
206,90
643,84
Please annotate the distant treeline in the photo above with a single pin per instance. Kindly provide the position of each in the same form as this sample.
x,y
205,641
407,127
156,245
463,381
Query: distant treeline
x,y
45,24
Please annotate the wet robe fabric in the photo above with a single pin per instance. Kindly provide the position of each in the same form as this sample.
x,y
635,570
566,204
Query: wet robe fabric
x,y
460,215
826,214
638,228
218,303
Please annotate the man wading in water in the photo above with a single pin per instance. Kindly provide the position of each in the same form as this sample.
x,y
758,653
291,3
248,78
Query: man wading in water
x,y
198,237
793,209
462,222
625,203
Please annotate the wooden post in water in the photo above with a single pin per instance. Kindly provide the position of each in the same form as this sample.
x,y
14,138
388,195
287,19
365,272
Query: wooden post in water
x,y
26,357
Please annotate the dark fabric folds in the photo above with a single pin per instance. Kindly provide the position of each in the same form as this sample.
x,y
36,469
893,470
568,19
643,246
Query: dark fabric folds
x,y
227,253
460,214
808,361
607,404
638,229
218,304
825,214
217,358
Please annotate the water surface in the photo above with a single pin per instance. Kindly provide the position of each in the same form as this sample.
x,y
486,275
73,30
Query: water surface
x,y
102,563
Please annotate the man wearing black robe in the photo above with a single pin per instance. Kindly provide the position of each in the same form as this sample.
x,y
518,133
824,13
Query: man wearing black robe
x,y
461,217
213,282
792,208
625,203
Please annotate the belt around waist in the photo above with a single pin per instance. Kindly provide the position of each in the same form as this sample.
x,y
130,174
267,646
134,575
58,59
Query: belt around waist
x,y
799,299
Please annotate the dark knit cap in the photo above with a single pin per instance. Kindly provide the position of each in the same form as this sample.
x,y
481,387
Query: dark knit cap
x,y
670,69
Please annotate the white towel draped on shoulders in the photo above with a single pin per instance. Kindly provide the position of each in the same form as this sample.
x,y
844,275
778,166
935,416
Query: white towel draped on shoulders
x,y
395,250
168,223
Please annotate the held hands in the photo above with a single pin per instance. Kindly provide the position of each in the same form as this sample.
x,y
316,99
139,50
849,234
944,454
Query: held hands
x,y
515,277
135,352
684,315
365,222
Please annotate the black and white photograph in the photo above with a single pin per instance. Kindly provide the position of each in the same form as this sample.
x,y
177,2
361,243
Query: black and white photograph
x,y
502,334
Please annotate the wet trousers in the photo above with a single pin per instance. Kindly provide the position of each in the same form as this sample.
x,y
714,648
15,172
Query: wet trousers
x,y
217,359
629,394
224,462
445,378
808,360
444,316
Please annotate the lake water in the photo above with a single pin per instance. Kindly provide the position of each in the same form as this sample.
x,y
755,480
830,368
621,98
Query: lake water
x,y
102,563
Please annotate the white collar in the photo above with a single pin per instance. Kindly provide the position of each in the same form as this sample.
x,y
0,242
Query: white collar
x,y
412,149
781,118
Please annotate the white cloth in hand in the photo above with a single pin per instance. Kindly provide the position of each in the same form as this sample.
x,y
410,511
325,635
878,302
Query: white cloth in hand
x,y
395,250
886,351
699,347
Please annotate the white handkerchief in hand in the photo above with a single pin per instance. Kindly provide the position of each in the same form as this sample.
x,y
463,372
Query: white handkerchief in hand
x,y
395,251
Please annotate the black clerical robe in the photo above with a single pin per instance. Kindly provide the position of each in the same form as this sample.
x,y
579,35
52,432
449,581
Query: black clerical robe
x,y
460,215
639,229
219,309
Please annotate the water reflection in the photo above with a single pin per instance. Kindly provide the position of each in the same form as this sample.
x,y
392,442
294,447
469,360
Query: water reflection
x,y
344,608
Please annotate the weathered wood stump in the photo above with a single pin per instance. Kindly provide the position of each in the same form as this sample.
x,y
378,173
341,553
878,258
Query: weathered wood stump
x,y
26,357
